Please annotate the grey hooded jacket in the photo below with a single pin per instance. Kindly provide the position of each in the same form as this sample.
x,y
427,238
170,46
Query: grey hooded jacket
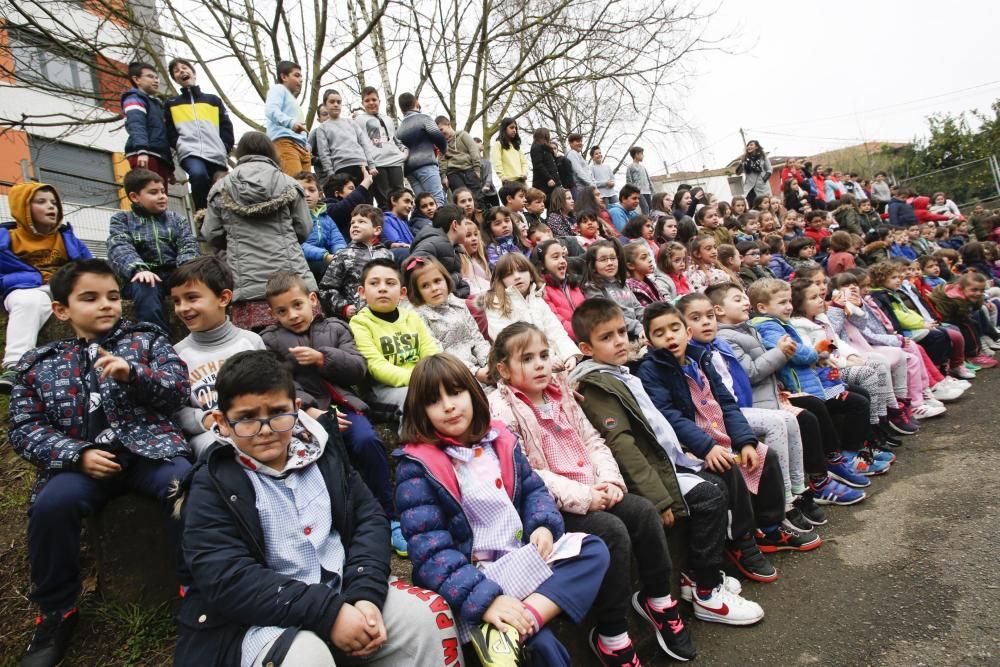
x,y
761,364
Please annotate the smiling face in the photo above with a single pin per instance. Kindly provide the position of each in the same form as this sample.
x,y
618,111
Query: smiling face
x,y
780,305
95,305
735,307
451,414
669,332
555,261
428,206
606,263
294,309
528,366
464,201
363,229
198,307
402,206
183,75
701,320
370,102
608,342
268,447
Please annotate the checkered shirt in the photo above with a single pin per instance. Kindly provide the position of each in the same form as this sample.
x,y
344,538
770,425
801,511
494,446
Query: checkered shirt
x,y
707,411
561,443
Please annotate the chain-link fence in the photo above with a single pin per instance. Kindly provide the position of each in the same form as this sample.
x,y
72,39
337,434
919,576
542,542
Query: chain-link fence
x,y
966,184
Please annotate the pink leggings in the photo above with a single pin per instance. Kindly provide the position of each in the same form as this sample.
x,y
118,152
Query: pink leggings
x,y
909,377
957,347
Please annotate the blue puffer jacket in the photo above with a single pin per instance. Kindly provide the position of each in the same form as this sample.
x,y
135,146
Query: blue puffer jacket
x,y
324,237
51,398
146,125
437,531
15,273
667,386
742,389
799,374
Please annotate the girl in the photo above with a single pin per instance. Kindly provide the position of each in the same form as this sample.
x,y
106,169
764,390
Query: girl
x,y
485,533
506,157
423,214
562,289
588,225
762,204
766,223
544,171
582,476
665,231
589,199
640,266
739,205
800,253
475,270
841,258
640,228
731,261
672,262
464,199
501,235
560,214
429,287
343,145
604,275
660,207
704,269
515,295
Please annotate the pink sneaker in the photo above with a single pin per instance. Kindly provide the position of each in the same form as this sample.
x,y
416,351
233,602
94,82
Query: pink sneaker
x,y
983,361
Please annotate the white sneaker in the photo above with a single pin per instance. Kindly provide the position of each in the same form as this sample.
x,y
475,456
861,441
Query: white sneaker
x,y
926,411
731,584
985,348
726,607
931,399
995,344
944,392
950,381
962,373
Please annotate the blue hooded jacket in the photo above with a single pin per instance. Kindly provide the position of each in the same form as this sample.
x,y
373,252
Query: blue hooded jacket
x,y
741,381
146,125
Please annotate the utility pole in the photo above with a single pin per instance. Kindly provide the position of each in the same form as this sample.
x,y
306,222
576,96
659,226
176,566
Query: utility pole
x,y
743,137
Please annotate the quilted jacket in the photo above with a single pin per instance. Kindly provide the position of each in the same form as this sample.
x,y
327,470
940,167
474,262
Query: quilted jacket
x,y
138,241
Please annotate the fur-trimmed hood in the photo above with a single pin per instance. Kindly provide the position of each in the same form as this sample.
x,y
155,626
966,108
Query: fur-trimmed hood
x,y
257,187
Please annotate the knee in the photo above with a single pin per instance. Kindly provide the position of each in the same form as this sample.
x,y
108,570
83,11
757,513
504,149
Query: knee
x,y
596,551
62,496
308,649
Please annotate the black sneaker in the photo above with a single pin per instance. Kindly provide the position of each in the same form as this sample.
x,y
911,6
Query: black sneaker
x,y
746,556
671,634
782,539
796,521
623,657
7,379
806,504
48,644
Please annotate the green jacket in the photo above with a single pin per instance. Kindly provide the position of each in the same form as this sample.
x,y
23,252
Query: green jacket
x,y
953,309
614,412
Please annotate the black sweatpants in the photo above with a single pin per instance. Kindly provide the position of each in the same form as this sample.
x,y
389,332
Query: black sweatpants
x,y
819,436
708,509
633,526
851,411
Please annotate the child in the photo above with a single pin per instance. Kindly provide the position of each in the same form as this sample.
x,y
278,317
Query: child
x,y
751,268
639,264
147,146
31,250
201,290
443,240
342,193
704,270
707,217
516,295
423,215
654,466
475,269
640,228
92,413
801,253
587,226
464,199
816,227
428,287
534,206
778,264
562,288
957,303
343,145
325,364
842,257
582,476
340,288
512,198
298,571
672,262
396,232
501,235
559,216
604,275
868,217
483,527
325,239
391,339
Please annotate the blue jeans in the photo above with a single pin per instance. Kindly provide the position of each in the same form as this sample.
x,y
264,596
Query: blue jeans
x,y
201,174
368,458
428,179
148,301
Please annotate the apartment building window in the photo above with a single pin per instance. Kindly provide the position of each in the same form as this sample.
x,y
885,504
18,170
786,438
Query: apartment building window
x,y
51,66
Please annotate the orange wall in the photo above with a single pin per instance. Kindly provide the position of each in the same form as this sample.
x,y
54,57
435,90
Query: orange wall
x,y
13,148
6,60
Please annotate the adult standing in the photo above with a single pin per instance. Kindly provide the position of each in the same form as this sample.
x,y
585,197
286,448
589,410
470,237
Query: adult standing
x,y
390,153
461,162
421,137
343,146
508,161
199,129
147,146
544,171
603,176
756,169
284,120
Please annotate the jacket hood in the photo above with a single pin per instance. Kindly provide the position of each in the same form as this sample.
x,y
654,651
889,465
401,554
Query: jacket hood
x,y
921,202
588,366
19,200
134,91
257,187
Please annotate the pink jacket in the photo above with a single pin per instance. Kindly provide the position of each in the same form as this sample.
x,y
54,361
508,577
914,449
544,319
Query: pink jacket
x,y
571,496
563,300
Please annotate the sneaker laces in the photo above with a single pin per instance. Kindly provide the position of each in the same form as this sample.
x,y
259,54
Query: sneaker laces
x,y
676,625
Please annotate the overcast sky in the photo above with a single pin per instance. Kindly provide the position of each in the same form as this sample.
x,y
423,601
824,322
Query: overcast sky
x,y
814,76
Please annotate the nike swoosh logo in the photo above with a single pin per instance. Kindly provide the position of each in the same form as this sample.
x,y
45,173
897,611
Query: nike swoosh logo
x,y
721,611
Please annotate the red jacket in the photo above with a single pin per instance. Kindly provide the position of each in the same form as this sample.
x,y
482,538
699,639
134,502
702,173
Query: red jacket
x,y
818,235
563,300
820,184
920,205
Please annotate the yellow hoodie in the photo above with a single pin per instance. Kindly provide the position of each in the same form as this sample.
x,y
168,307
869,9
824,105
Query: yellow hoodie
x,y
46,252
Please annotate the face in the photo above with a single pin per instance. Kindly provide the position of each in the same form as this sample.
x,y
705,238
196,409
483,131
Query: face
x,y
183,75
293,309
346,190
751,257
819,280
556,262
864,206
678,261
322,114
528,368
148,81
382,289
451,414
735,308
471,241
608,342
668,332
914,232
735,261
363,229
928,232
669,230
642,262
813,303
428,206
520,279
779,306
597,156
501,226
446,130
268,447
933,269
44,211
539,235
94,306
739,207
631,202
293,81
516,203
974,292
808,251
606,263
708,251
647,231
371,103
333,105
752,146
403,205
569,201
433,287
587,227
894,281
312,193
576,145
511,130
711,219
685,200
536,206
701,321
522,226
198,307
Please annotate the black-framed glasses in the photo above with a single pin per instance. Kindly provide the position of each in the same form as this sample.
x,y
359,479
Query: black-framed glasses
x,y
248,428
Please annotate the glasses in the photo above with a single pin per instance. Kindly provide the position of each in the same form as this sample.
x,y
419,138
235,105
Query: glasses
x,y
606,259
248,428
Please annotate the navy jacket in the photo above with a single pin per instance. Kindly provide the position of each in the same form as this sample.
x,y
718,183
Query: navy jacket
x,y
742,388
233,588
146,125
15,273
901,214
667,386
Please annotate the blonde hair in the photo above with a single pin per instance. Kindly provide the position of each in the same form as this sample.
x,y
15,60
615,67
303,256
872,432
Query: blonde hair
x,y
495,298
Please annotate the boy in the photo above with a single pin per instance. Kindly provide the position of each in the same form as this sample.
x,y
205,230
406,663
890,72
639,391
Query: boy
x,y
325,365
92,414
534,206
868,217
581,172
603,175
461,162
325,238
750,268
201,291
637,176
146,244
390,338
816,227
655,466
32,248
626,208
957,304
339,286
286,545
147,146
285,122
513,195
342,195
424,142
396,232
442,240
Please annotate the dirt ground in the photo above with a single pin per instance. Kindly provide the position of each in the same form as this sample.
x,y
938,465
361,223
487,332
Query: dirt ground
x,y
909,577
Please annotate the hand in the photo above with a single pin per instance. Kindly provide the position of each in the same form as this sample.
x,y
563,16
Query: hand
x,y
307,356
343,423
373,172
933,325
444,181
668,518
375,627
558,366
598,499
551,183
787,345
542,539
855,360
98,463
142,161
570,363
349,632
613,494
350,311
327,258
506,610
483,375
366,180
298,127
719,459
111,366
147,277
749,458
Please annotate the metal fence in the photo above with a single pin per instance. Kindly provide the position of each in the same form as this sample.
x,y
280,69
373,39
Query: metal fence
x,y
967,184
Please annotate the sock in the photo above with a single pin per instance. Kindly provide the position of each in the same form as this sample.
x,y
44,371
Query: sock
x,y
660,603
538,617
704,593
614,642
769,529
817,479
801,488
